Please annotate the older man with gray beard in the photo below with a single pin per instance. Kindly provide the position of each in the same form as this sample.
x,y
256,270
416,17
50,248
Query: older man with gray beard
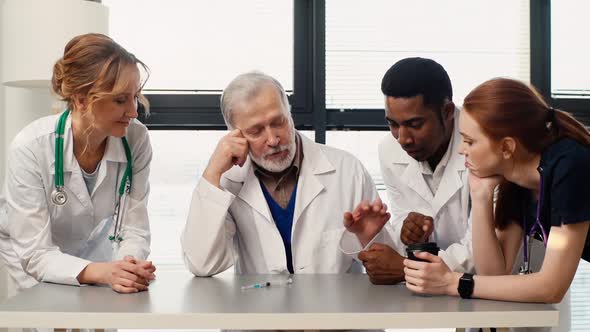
x,y
270,199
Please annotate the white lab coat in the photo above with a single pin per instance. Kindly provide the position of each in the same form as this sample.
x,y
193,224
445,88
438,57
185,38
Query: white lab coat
x,y
40,241
449,206
234,226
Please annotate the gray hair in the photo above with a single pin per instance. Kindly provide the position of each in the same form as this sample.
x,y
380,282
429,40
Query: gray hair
x,y
246,86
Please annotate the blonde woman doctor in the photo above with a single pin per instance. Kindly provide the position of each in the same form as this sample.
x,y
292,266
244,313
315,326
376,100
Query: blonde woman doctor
x,y
76,213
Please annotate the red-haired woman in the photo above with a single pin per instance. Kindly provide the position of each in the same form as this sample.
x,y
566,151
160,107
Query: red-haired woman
x,y
538,158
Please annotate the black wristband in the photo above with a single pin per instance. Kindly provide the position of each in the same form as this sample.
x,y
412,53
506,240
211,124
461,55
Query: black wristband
x,y
466,285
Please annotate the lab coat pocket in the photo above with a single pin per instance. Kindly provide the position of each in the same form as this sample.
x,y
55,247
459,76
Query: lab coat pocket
x,y
330,258
328,237
63,227
98,247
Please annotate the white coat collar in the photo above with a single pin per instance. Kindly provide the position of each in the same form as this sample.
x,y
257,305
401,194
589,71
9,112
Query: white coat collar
x,y
69,162
451,179
314,163
114,150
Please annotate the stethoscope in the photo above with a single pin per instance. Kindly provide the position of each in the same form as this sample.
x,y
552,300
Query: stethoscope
x,y
59,196
525,268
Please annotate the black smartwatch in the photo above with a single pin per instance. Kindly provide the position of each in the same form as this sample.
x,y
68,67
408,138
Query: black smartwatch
x,y
466,285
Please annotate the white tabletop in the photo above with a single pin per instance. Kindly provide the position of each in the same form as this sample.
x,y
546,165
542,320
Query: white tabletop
x,y
179,300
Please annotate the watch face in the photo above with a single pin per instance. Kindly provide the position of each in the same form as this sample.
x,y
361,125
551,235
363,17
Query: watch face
x,y
466,284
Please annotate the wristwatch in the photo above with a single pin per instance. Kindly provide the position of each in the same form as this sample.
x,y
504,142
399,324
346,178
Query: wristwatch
x,y
466,285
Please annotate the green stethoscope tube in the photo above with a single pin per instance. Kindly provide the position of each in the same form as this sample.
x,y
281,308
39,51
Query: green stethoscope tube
x,y
59,196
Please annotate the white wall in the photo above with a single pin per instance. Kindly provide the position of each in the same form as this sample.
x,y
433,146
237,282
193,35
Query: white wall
x,y
3,274
24,105
2,158
18,107
2,118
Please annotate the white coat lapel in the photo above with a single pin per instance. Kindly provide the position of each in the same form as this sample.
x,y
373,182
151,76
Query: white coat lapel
x,y
413,178
114,157
452,178
251,193
308,186
74,183
73,180
450,182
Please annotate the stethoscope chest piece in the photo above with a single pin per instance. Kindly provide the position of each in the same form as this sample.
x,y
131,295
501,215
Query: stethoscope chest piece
x,y
59,197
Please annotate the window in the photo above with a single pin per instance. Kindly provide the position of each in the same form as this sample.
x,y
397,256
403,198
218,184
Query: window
x,y
179,159
363,145
473,40
201,45
569,51
197,47
559,55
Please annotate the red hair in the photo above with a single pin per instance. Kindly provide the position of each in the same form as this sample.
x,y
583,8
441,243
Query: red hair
x,y
508,108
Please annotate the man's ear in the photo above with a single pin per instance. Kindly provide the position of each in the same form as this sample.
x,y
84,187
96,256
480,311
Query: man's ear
x,y
448,111
508,146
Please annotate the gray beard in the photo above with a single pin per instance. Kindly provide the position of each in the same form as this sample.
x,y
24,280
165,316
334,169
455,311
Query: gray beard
x,y
281,165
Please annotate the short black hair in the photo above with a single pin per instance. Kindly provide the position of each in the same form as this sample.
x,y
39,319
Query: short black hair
x,y
411,77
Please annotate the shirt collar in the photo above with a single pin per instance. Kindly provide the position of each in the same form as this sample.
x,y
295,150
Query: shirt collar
x,y
425,166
